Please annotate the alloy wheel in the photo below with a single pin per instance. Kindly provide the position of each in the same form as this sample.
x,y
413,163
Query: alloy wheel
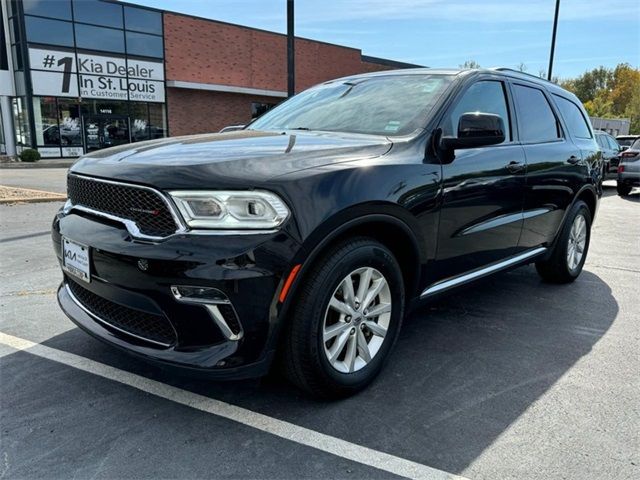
x,y
356,320
577,242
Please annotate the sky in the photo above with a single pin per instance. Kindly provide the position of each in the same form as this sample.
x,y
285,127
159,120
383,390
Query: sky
x,y
446,33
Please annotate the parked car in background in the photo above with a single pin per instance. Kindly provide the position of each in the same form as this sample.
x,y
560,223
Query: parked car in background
x,y
625,141
629,169
309,233
610,151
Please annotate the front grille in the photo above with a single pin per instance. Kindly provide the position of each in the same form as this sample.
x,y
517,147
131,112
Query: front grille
x,y
155,328
144,207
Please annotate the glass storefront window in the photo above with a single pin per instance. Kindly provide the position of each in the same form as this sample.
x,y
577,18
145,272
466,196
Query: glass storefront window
x,y
45,119
99,38
143,20
69,121
49,8
21,122
139,114
98,13
101,107
157,121
141,44
54,32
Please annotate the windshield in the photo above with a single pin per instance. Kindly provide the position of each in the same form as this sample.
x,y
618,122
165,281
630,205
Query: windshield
x,y
387,105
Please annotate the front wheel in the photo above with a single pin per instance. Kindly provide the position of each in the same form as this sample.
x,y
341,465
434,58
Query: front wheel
x,y
570,252
346,319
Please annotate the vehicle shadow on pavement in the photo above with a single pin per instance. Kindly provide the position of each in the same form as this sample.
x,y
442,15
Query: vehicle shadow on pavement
x,y
464,369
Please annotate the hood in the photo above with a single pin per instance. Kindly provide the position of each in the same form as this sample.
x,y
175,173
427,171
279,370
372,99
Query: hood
x,y
242,158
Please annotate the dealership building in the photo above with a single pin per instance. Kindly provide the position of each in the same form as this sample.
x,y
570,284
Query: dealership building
x,y
79,75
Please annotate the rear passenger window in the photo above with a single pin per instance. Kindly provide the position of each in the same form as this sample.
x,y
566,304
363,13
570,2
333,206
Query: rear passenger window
x,y
536,121
576,123
612,143
486,97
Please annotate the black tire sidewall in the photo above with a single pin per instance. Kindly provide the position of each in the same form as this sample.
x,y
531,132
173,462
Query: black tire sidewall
x,y
365,254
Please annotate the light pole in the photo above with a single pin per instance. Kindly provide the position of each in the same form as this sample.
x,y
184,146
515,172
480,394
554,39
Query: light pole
x,y
291,55
553,40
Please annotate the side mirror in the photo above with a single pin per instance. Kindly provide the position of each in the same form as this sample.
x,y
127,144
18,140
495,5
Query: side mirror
x,y
476,130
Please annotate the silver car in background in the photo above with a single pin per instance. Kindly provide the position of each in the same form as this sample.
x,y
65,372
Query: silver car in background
x,y
629,169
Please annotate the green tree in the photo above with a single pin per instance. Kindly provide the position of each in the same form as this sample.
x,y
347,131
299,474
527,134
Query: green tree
x,y
609,93
470,64
587,85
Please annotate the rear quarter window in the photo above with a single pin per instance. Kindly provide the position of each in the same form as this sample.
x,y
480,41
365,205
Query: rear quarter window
x,y
576,123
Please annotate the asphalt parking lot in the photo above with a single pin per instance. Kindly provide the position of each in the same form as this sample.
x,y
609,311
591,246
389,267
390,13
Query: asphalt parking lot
x,y
508,378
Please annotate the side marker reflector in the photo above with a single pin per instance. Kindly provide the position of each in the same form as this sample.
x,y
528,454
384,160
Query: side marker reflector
x,y
289,281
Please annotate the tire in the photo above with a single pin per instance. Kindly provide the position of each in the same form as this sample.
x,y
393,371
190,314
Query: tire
x,y
623,189
560,267
306,356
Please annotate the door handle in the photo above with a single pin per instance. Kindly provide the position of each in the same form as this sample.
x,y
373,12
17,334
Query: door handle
x,y
515,167
573,159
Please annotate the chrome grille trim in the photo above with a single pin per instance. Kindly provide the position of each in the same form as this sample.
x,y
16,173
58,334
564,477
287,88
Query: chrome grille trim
x,y
129,224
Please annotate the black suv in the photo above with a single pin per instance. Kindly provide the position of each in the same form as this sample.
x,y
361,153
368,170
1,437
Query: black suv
x,y
310,233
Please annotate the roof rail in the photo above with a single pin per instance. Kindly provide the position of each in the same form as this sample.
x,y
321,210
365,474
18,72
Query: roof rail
x,y
507,69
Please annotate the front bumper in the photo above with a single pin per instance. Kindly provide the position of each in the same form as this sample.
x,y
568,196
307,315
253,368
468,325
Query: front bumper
x,y
135,278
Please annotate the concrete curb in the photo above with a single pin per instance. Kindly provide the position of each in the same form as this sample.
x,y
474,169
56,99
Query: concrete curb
x,y
66,163
14,201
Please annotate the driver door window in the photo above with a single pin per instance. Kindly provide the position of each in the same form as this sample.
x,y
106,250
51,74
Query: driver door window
x,y
487,96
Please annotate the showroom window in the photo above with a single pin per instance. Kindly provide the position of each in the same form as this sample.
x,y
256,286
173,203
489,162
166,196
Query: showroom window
x,y
139,114
45,119
21,122
69,122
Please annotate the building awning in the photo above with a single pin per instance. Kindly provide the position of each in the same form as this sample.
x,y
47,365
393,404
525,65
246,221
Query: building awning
x,y
214,87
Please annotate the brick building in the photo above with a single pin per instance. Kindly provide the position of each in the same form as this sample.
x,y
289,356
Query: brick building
x,y
89,74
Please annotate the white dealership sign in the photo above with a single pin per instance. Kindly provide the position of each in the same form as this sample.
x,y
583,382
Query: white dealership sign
x,y
65,74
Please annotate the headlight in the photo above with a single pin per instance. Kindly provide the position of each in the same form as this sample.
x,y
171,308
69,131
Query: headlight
x,y
231,210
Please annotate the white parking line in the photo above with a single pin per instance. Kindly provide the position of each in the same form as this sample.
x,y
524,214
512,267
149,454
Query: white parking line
x,y
289,431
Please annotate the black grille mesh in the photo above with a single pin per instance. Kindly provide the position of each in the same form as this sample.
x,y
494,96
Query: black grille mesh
x,y
144,207
146,325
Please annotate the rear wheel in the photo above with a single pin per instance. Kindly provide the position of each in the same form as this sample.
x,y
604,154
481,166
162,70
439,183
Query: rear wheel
x,y
570,252
346,319
623,189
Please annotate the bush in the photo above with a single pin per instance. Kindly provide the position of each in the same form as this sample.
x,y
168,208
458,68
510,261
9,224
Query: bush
x,y
29,155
